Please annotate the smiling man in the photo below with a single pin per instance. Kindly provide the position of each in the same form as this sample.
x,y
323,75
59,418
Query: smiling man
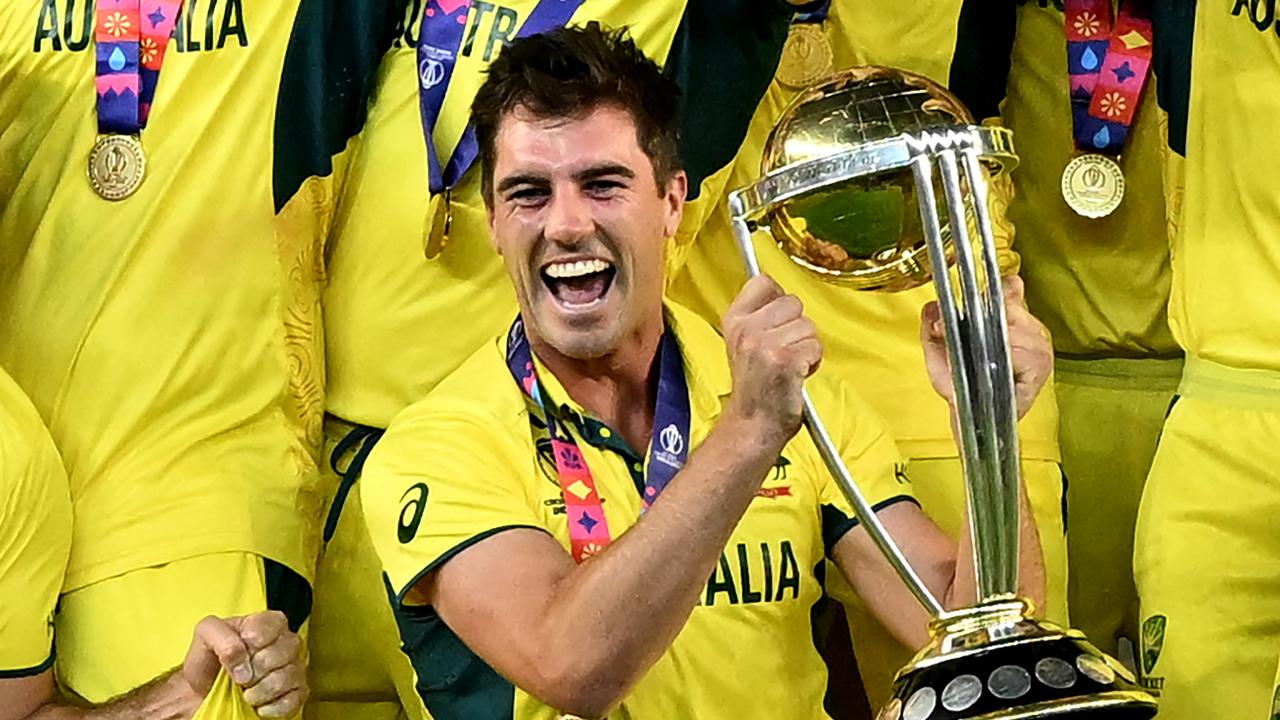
x,y
539,563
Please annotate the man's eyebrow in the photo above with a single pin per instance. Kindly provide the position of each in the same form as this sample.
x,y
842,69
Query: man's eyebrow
x,y
604,170
511,181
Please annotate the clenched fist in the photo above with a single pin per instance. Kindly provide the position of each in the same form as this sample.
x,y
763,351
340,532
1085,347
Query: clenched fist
x,y
1029,346
772,348
259,652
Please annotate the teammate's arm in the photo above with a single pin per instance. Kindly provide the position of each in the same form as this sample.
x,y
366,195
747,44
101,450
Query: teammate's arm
x,y
578,637
259,652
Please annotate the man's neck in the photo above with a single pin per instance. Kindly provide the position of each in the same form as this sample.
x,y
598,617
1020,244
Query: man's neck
x,y
619,388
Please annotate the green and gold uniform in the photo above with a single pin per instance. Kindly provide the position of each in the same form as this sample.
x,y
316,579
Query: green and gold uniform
x,y
1207,552
1101,286
465,464
871,341
397,323
171,341
35,535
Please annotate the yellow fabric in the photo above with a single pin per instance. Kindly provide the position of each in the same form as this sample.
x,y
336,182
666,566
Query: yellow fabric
x,y
937,486
225,701
1112,412
356,670
381,288
870,340
169,340
118,634
1226,257
468,494
1101,286
35,534
1207,548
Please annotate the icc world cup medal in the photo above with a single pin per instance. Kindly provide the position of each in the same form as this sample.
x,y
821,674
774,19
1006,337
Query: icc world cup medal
x,y
807,56
117,166
1093,185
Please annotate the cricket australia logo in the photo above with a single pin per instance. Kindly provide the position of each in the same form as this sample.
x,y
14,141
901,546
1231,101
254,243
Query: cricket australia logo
x,y
431,65
671,442
1153,629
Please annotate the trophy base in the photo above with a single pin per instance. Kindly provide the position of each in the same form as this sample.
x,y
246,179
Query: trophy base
x,y
993,662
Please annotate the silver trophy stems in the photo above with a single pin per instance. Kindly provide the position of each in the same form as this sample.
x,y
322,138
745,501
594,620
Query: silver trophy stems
x,y
1006,411
958,324
831,456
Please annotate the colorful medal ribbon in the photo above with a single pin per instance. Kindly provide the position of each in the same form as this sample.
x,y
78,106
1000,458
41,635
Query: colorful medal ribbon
x,y
439,43
668,448
131,39
1108,62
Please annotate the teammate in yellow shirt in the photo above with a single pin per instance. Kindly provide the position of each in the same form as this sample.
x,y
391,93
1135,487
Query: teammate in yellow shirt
x,y
395,277
528,584
35,544
159,299
871,340
1100,284
1207,555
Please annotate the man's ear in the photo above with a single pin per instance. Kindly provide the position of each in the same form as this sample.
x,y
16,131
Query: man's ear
x,y
676,191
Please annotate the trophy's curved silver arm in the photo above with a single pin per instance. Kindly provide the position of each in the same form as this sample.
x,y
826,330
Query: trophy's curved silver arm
x,y
831,455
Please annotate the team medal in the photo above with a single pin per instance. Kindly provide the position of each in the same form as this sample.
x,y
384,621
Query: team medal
x,y
1108,58
439,217
807,56
117,166
1093,185
131,37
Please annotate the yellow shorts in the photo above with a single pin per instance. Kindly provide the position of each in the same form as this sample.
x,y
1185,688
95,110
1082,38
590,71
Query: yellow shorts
x,y
938,485
357,670
1207,550
118,634
1111,412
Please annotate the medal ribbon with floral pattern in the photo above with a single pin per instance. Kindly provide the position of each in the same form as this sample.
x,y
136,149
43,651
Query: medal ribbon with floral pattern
x,y
1108,63
668,448
131,37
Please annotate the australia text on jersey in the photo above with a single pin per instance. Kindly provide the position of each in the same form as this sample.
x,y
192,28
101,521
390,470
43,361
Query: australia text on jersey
x,y
203,25
1261,12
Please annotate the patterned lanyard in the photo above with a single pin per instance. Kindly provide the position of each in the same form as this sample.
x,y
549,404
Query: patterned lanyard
x,y
444,23
668,451
1108,62
131,37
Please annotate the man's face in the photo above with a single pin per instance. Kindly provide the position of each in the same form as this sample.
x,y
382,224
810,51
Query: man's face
x,y
581,225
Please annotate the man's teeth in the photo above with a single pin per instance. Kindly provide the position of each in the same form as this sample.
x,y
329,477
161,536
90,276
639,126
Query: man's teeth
x,y
578,268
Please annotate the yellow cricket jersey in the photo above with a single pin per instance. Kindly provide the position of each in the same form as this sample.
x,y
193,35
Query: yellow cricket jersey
x,y
871,340
172,340
1101,286
35,535
464,464
1219,71
397,323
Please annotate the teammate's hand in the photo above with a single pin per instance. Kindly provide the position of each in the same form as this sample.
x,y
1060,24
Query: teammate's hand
x,y
772,348
1029,345
259,652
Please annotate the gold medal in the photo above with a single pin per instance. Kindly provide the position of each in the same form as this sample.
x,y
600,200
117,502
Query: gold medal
x,y
440,217
1093,185
806,58
117,166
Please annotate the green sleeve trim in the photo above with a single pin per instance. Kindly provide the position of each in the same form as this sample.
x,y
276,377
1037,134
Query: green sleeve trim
x,y
451,552
1174,23
835,524
983,55
31,671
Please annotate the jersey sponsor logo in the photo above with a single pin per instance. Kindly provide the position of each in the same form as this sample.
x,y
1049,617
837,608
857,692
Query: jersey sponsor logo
x,y
754,573
202,26
411,512
1262,13
1153,632
490,27
771,493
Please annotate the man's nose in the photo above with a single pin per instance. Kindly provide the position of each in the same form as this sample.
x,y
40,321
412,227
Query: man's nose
x,y
569,218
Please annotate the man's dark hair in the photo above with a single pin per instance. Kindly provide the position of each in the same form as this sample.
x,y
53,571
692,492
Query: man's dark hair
x,y
569,72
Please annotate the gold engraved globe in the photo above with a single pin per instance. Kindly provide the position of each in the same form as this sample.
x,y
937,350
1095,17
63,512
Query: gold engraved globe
x,y
866,232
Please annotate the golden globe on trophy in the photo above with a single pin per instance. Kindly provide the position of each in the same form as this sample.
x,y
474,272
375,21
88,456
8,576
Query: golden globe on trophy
x,y
877,178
